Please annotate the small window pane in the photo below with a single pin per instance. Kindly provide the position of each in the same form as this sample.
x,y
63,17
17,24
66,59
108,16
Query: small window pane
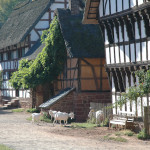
x,y
5,56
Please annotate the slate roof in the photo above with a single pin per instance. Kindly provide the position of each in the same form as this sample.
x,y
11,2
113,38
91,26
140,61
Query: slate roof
x,y
34,51
82,41
57,97
21,21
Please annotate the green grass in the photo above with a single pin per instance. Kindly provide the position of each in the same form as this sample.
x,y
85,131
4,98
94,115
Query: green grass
x,y
18,110
3,147
33,110
83,125
117,139
29,119
43,118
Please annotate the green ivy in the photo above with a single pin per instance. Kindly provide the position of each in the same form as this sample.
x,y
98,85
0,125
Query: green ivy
x,y
47,65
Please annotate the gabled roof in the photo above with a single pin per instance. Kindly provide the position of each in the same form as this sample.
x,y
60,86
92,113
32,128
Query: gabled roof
x,y
57,97
21,21
34,51
91,12
82,41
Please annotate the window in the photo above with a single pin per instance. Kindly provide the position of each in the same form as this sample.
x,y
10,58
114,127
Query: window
x,y
5,56
14,54
23,52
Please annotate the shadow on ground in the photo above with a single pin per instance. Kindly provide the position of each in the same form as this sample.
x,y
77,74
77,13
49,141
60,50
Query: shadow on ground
x,y
2,111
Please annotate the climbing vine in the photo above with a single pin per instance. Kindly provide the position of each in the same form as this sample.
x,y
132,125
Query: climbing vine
x,y
47,65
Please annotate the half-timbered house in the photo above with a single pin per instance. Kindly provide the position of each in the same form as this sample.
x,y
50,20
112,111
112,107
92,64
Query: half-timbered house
x,y
84,79
19,35
126,29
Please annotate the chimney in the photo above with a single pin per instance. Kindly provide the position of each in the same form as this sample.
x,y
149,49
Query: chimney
x,y
74,7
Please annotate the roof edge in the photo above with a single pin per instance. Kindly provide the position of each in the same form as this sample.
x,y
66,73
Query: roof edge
x,y
85,15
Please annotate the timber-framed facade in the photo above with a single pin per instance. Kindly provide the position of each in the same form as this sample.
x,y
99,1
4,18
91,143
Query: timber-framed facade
x,y
20,33
126,30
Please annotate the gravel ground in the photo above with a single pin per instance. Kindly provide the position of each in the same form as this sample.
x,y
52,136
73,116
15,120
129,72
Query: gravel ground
x,y
20,134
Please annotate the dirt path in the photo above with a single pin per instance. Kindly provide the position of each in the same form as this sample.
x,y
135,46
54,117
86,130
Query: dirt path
x,y
20,134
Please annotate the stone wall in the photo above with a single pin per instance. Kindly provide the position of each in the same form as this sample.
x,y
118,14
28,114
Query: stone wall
x,y
79,103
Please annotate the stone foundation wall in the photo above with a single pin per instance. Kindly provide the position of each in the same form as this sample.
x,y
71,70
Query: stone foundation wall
x,y
25,103
79,103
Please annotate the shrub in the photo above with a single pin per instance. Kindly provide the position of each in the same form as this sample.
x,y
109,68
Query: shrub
x,y
46,118
142,135
18,110
33,110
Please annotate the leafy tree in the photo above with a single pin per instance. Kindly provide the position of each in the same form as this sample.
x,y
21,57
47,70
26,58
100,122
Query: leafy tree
x,y
47,65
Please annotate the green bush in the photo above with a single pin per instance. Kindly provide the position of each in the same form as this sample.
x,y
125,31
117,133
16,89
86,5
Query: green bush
x,y
46,118
18,110
142,135
33,110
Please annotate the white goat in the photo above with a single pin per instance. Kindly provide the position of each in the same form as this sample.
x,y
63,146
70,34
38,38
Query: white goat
x,y
52,113
98,115
36,117
59,116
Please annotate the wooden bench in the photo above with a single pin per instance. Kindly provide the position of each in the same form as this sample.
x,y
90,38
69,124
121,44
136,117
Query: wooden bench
x,y
123,119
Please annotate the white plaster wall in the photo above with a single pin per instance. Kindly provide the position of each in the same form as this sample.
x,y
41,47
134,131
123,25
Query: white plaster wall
x,y
140,2
127,53
52,15
132,51
113,85
125,34
45,16
34,36
144,51
56,5
138,53
9,64
101,8
12,65
137,35
115,35
42,25
26,50
113,101
117,54
132,3
107,12
107,56
126,4
113,6
112,55
143,34
121,54
5,65
119,5
120,34
106,37
139,107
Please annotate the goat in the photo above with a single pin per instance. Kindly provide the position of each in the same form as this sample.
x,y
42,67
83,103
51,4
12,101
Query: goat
x,y
52,113
59,116
98,115
36,117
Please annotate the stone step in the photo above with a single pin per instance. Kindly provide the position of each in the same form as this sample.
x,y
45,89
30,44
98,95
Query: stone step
x,y
5,107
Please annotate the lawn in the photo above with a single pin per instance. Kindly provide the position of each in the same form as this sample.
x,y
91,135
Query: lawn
x,y
3,147
83,125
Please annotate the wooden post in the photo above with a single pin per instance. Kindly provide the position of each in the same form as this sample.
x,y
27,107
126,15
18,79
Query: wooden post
x,y
147,119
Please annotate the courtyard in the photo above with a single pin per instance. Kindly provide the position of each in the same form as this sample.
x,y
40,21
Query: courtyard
x,y
19,133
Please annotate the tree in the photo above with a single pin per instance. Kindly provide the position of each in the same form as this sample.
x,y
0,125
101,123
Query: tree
x,y
47,65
